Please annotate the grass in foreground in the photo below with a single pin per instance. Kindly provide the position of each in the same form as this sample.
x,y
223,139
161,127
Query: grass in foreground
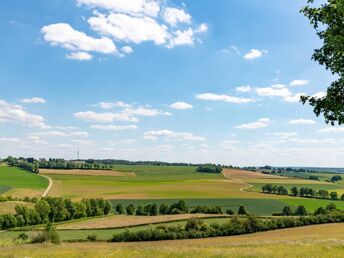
x,y
305,242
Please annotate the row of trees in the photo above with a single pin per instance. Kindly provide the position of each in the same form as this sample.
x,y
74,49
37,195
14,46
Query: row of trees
x,y
301,210
196,228
302,192
209,168
55,209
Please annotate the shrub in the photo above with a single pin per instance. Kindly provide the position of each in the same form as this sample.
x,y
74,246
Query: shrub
x,y
242,211
230,212
92,237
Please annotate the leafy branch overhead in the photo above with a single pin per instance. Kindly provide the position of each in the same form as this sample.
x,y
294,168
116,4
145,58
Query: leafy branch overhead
x,y
328,21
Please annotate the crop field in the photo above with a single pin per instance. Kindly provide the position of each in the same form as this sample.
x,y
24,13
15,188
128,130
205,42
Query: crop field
x,y
116,221
19,183
316,241
9,207
84,172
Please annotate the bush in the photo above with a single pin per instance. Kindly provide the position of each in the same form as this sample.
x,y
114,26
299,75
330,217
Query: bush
x,y
209,168
48,235
92,237
230,212
242,211
23,236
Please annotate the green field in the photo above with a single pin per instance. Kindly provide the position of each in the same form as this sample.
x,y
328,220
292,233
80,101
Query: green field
x,y
17,182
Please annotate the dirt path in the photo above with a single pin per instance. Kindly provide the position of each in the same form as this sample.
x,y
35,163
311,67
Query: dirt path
x,y
242,189
49,186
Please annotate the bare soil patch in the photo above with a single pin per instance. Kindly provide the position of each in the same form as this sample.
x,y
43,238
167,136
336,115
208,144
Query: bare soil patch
x,y
84,172
244,174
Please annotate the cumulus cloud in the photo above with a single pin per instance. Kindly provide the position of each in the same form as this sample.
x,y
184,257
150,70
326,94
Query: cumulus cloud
x,y
11,113
173,16
125,22
298,82
62,34
132,7
331,130
279,90
261,123
254,53
110,105
168,134
181,105
226,98
82,56
319,95
35,100
301,121
114,127
245,88
127,113
285,135
56,133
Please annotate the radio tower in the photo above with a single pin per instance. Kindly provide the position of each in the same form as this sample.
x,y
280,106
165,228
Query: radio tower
x,y
78,154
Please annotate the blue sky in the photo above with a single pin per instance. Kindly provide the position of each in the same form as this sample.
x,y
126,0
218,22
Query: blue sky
x,y
193,81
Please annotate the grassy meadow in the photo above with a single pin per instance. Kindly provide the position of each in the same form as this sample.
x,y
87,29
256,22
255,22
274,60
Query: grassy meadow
x,y
316,241
19,183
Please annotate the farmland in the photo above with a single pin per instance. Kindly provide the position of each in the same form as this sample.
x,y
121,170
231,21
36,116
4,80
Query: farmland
x,y
9,207
19,183
321,241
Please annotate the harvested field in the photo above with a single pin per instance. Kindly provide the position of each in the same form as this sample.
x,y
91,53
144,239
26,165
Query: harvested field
x,y
9,207
84,172
124,221
244,174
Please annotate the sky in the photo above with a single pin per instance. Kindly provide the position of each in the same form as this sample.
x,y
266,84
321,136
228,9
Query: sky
x,y
178,81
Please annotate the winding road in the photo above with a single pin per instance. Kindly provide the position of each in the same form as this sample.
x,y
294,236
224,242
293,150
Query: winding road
x,y
49,186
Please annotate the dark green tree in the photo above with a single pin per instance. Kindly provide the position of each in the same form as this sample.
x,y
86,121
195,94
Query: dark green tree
x,y
242,211
328,20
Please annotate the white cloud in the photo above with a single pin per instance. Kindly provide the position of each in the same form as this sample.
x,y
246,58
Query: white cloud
x,y
226,98
319,95
254,53
34,100
181,105
279,90
81,56
154,135
130,29
298,82
83,142
110,105
331,130
132,7
114,127
55,134
185,37
261,123
9,140
245,88
173,16
128,114
63,146
127,50
91,116
301,121
229,144
202,28
229,50
285,135
11,113
62,34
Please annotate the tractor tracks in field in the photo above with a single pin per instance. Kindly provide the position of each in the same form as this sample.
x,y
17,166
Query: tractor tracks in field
x,y
242,189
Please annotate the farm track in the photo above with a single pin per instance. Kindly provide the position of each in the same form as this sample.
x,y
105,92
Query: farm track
x,y
45,193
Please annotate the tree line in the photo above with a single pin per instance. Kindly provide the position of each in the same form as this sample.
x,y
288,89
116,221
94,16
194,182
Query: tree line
x,y
197,228
302,192
209,168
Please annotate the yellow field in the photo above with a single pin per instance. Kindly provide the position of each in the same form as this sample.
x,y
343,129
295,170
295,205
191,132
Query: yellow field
x,y
84,172
243,174
20,192
9,207
317,241
124,221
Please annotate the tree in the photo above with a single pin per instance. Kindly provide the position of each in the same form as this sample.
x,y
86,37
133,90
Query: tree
x,y
154,210
320,211
342,197
43,209
336,178
230,212
328,20
164,209
334,195
108,209
130,209
140,211
300,211
242,211
119,209
294,191
331,207
287,211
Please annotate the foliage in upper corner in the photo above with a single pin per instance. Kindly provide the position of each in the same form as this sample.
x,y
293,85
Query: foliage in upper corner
x,y
328,21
